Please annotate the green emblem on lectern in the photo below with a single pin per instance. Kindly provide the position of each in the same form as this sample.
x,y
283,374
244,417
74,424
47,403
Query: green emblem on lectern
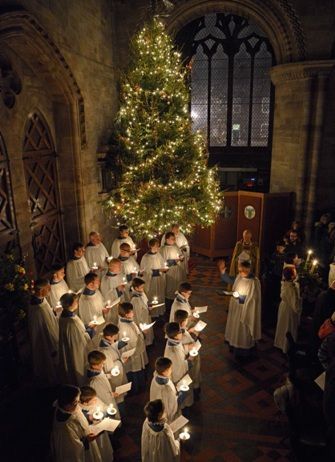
x,y
249,212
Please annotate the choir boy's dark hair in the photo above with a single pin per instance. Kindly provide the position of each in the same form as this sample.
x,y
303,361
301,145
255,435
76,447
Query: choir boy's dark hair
x,y
67,395
180,316
137,282
172,329
113,261
288,273
154,410
125,308
110,330
185,287
40,284
67,300
123,228
280,243
77,246
96,357
154,241
57,267
90,277
86,394
245,264
125,247
289,258
169,234
162,364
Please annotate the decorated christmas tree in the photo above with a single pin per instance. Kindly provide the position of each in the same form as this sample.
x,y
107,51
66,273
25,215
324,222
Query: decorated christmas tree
x,y
164,177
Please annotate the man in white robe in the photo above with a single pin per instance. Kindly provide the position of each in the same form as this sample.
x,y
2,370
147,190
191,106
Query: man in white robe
x,y
158,443
91,302
182,243
96,252
77,268
172,256
163,388
74,342
71,440
44,334
58,286
123,238
154,270
243,326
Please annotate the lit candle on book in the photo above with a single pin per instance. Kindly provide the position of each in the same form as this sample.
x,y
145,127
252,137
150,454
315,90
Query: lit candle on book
x,y
184,387
193,352
115,371
95,266
125,338
236,294
155,300
98,414
111,410
185,435
108,304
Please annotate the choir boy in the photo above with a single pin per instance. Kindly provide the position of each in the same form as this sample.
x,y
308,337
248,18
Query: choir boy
x,y
163,388
181,242
153,267
289,310
98,380
135,365
158,443
43,334
181,317
71,440
123,238
58,286
243,326
96,253
176,274
91,302
112,287
139,300
88,404
129,264
181,302
181,360
74,342
77,267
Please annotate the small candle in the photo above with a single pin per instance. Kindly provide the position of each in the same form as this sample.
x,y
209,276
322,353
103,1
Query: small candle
x,y
98,414
166,265
115,371
135,270
314,266
95,318
193,352
108,303
125,338
236,294
124,280
185,435
111,410
155,300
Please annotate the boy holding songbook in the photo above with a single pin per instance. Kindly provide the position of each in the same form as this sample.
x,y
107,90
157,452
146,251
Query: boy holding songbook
x,y
181,360
182,302
163,388
172,255
142,308
77,267
97,379
123,238
131,333
190,345
91,302
89,403
158,443
112,288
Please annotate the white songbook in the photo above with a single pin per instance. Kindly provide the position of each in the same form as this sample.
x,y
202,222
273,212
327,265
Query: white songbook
x,y
97,321
123,388
184,382
111,304
201,309
109,425
144,326
128,353
197,345
177,424
200,325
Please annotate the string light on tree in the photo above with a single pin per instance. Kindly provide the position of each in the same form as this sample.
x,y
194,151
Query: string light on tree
x,y
165,178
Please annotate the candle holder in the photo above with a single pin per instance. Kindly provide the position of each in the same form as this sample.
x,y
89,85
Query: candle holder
x,y
125,338
185,435
184,387
98,414
115,371
94,266
111,410
236,294
196,314
193,352
154,301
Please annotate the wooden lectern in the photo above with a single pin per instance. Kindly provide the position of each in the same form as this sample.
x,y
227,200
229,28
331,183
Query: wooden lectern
x,y
267,215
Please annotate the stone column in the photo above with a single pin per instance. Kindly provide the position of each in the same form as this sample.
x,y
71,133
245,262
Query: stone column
x,y
297,135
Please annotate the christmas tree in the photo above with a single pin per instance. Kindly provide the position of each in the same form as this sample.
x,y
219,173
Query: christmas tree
x,y
164,175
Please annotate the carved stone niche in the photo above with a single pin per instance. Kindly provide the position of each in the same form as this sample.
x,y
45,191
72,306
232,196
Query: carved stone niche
x,y
10,82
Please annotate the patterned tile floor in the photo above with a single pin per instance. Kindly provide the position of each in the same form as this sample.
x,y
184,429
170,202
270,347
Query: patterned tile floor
x,y
234,421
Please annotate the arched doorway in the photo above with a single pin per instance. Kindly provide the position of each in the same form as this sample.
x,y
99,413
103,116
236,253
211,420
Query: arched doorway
x,y
8,232
40,167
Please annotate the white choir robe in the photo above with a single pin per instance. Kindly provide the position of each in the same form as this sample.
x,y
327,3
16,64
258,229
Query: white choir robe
x,y
175,351
113,359
182,243
44,336
74,345
167,392
155,281
89,306
96,254
288,314
100,383
67,439
159,446
331,274
57,289
180,303
108,288
176,273
128,267
103,441
115,251
142,314
243,326
76,270
139,359
195,371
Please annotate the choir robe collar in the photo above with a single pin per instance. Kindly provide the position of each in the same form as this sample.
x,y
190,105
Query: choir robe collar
x,y
68,314
156,426
126,321
55,282
180,298
104,343
61,415
110,274
75,258
134,293
36,300
123,258
161,380
92,245
91,373
88,291
172,342
152,253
